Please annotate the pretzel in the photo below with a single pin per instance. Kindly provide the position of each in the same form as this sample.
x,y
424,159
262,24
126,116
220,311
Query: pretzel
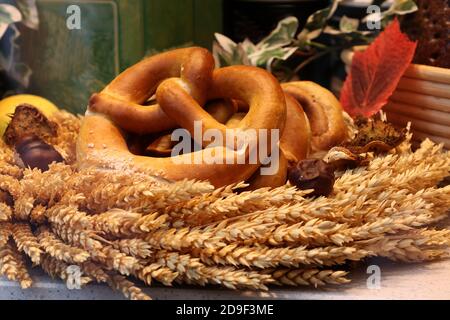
x,y
294,145
308,116
122,100
221,110
324,112
101,142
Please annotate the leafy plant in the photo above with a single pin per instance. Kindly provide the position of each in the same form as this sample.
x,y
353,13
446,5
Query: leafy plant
x,y
24,12
8,15
283,41
277,45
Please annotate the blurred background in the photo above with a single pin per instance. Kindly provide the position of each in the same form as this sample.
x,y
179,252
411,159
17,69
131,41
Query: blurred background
x,y
41,55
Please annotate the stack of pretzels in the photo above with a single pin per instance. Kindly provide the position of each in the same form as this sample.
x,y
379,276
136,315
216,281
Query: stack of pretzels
x,y
178,88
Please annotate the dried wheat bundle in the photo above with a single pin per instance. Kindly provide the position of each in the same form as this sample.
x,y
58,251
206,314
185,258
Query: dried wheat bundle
x,y
120,227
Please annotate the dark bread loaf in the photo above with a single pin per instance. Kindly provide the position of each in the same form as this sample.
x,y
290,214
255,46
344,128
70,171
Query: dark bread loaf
x,y
430,26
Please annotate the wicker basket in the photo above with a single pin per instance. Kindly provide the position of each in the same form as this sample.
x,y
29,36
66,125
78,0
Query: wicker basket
x,y
422,97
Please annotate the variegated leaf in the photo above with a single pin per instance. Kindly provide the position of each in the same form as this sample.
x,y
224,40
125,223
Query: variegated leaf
x,y
264,58
401,7
226,43
347,25
29,12
248,46
282,35
8,14
225,58
289,51
398,7
317,22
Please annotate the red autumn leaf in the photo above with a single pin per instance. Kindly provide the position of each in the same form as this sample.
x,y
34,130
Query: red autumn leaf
x,y
375,72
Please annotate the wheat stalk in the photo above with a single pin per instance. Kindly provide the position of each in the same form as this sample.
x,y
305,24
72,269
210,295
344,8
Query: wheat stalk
x,y
8,169
26,241
113,259
129,290
59,250
211,236
23,207
191,270
156,271
13,267
5,233
124,192
416,246
47,186
133,247
122,223
261,256
85,239
59,269
5,212
69,216
94,271
307,277
11,185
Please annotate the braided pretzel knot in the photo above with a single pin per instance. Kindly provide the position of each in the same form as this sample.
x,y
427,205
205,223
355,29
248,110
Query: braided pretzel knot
x,y
183,80
122,99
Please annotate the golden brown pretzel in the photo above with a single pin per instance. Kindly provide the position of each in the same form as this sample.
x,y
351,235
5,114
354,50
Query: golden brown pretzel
x,y
324,112
264,97
221,110
122,100
101,142
294,145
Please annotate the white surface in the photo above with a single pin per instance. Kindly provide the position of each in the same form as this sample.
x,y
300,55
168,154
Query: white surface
x,y
398,281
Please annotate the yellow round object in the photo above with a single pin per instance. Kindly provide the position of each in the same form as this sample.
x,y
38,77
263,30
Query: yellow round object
x,y
8,106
